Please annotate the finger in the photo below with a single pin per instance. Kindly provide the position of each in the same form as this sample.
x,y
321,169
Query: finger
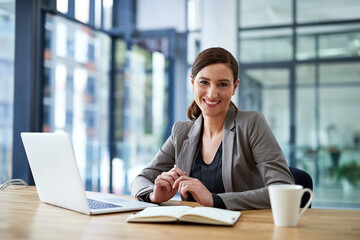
x,y
168,177
186,187
160,182
179,180
173,175
178,171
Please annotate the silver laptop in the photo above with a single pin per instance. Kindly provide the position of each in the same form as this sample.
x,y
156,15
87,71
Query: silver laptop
x,y
57,178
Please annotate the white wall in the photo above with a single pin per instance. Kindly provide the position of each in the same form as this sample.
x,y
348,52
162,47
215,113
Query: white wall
x,y
161,14
220,25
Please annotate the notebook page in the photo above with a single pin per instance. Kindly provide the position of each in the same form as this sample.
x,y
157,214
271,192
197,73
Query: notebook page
x,y
222,215
173,211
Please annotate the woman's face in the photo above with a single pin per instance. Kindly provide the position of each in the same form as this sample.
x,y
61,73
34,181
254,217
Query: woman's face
x,y
213,88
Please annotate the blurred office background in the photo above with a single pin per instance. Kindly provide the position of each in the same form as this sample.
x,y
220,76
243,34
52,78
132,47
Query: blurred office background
x,y
114,74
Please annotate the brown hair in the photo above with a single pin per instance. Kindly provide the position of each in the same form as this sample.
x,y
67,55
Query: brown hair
x,y
208,57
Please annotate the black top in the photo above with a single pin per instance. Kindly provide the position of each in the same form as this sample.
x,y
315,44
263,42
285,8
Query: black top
x,y
209,174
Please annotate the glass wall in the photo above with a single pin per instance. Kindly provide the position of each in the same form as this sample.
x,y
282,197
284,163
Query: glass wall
x,y
328,130
7,52
118,119
76,94
264,90
303,74
141,112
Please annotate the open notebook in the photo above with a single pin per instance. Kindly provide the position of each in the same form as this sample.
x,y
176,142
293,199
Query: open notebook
x,y
57,178
201,215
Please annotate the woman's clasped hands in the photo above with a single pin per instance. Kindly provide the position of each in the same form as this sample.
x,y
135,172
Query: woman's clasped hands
x,y
175,180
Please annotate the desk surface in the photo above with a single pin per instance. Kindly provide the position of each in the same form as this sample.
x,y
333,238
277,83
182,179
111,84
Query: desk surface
x,y
22,216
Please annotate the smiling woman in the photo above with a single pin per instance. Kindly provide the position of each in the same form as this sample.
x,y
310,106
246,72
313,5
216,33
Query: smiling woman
x,y
223,157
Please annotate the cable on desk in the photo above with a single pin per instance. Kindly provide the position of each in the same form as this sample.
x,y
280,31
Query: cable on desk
x,y
18,182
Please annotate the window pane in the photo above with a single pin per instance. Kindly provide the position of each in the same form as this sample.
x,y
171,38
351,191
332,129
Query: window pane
x,y
7,52
98,13
62,6
328,130
339,128
108,13
76,94
327,10
334,41
118,117
142,107
82,10
194,14
306,129
305,47
265,45
340,45
265,12
194,44
267,90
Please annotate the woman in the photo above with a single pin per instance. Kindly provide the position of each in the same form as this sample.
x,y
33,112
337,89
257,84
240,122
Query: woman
x,y
223,157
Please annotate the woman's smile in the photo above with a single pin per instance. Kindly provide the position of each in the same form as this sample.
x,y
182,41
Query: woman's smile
x,y
211,103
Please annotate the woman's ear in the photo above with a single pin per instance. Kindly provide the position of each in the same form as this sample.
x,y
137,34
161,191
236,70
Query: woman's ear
x,y
192,81
236,85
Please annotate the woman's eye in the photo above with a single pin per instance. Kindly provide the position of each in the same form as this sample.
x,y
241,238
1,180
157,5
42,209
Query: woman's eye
x,y
223,84
203,82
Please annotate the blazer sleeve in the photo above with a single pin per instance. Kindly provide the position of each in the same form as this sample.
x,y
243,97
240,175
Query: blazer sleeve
x,y
163,161
266,165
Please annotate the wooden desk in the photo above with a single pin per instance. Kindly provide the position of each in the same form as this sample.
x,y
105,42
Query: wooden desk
x,y
22,216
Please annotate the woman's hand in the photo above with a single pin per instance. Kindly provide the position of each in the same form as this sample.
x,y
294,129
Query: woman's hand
x,y
163,189
201,194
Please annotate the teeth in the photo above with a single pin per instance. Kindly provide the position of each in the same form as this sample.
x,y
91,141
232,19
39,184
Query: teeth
x,y
211,103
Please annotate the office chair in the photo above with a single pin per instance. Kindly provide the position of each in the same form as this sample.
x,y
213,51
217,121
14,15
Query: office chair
x,y
304,179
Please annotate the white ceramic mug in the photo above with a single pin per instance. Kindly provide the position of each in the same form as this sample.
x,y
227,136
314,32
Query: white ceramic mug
x,y
285,203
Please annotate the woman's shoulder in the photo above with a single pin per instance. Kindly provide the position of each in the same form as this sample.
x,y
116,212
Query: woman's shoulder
x,y
182,127
249,119
180,131
248,115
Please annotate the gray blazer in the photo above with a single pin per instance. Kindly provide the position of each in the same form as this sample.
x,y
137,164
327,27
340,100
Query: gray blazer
x,y
251,159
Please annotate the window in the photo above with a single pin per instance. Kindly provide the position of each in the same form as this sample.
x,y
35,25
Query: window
x,y
332,41
307,92
265,46
315,11
7,50
76,94
265,13
194,25
141,107
82,10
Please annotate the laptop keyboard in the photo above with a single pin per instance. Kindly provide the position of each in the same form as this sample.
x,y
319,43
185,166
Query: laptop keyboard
x,y
94,204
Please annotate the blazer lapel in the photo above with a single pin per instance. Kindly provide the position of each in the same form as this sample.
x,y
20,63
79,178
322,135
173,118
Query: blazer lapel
x,y
189,147
228,147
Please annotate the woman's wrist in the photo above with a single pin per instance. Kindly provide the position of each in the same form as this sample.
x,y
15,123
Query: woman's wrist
x,y
151,197
146,197
217,201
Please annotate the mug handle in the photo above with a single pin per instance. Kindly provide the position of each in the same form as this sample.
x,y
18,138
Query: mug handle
x,y
309,201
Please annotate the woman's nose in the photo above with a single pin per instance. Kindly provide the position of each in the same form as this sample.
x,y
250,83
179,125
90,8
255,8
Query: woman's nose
x,y
212,92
